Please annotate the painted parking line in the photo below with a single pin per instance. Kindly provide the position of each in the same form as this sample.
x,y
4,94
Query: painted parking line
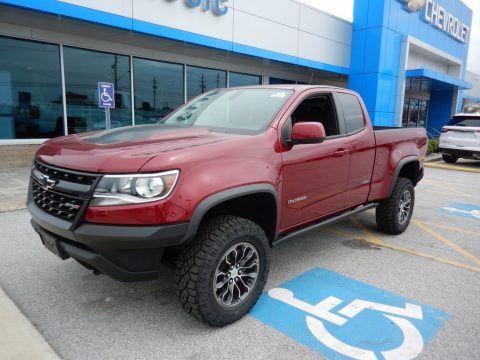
x,y
343,318
471,211
449,243
448,227
452,167
375,240
451,189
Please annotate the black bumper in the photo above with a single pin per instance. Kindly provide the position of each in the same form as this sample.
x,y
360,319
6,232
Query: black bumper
x,y
458,153
125,253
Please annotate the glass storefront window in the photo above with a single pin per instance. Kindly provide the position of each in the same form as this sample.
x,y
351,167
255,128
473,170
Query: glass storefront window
x,y
276,81
414,113
84,69
405,113
422,113
30,90
158,88
237,79
418,85
200,80
425,86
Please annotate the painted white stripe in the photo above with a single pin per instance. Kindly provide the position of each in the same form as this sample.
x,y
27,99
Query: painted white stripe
x,y
318,330
412,344
356,306
321,309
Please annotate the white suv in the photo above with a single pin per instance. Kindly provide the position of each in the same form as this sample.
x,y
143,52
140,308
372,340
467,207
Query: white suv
x,y
460,138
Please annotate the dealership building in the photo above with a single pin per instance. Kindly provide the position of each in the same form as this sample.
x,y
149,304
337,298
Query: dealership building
x,y
407,58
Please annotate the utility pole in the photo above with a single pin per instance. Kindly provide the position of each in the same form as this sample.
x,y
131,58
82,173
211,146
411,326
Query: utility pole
x,y
202,84
155,87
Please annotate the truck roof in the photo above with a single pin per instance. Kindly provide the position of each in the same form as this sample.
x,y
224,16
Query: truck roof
x,y
292,87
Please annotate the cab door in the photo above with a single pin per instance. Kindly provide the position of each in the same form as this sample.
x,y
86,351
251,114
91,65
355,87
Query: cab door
x,y
315,176
362,149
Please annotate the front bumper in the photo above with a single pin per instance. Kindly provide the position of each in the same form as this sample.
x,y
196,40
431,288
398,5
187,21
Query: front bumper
x,y
125,253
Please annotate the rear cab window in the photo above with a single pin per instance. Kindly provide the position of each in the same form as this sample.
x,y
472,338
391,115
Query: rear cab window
x,y
352,112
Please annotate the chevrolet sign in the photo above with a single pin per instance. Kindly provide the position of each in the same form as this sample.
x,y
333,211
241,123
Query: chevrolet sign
x,y
445,21
437,16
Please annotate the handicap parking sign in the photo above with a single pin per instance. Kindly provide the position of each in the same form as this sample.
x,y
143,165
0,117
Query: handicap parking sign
x,y
106,98
343,318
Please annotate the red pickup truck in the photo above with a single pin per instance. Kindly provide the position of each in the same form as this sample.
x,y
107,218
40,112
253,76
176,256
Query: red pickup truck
x,y
217,183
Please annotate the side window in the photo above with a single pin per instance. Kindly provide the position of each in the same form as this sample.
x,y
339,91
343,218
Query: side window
x,y
352,112
318,109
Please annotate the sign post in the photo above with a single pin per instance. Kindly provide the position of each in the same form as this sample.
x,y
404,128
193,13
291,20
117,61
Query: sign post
x,y
106,100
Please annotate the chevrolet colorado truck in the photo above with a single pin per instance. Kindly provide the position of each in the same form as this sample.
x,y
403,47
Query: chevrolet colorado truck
x,y
216,184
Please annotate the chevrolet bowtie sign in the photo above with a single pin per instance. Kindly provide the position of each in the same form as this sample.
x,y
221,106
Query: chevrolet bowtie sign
x,y
413,5
437,16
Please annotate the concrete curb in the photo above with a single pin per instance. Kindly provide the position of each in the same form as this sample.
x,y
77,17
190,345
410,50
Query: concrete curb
x,y
433,158
452,167
19,339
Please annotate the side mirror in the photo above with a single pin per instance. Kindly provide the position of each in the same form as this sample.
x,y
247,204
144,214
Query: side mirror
x,y
307,133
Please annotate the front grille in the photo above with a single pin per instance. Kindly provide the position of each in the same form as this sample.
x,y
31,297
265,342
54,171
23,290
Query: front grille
x,y
61,192
70,176
60,205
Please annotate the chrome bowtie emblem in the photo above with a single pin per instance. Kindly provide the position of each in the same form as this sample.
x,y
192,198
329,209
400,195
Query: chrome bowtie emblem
x,y
72,206
47,183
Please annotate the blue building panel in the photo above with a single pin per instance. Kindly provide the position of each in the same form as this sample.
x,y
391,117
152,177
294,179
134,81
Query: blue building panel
x,y
359,37
369,90
385,23
384,118
355,82
391,56
386,96
377,16
373,54
440,107
360,16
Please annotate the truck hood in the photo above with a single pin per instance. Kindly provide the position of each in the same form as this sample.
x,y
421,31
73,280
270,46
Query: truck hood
x,y
123,150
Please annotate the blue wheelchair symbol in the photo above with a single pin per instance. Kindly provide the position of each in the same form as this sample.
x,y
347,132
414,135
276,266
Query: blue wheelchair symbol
x,y
461,209
346,319
106,96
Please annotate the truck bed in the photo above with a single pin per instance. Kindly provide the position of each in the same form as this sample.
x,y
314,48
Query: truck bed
x,y
391,143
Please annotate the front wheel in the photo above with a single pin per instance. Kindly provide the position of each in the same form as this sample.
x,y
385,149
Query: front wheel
x,y
393,214
221,274
449,159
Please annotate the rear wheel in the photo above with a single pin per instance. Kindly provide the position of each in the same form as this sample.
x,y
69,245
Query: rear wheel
x,y
449,158
393,214
221,275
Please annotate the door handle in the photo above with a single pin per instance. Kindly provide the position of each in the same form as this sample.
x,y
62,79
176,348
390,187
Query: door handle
x,y
340,153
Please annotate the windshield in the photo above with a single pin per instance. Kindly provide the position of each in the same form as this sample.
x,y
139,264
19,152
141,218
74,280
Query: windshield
x,y
236,111
468,121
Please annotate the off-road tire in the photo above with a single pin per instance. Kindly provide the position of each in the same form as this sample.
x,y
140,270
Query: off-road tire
x,y
388,211
198,263
449,159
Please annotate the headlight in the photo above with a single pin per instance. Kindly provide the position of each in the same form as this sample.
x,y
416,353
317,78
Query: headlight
x,y
134,189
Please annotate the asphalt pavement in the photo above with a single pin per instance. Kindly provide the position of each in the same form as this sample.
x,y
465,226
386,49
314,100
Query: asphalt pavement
x,y
436,262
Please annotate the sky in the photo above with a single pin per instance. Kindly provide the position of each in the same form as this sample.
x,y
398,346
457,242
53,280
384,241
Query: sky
x,y
344,9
